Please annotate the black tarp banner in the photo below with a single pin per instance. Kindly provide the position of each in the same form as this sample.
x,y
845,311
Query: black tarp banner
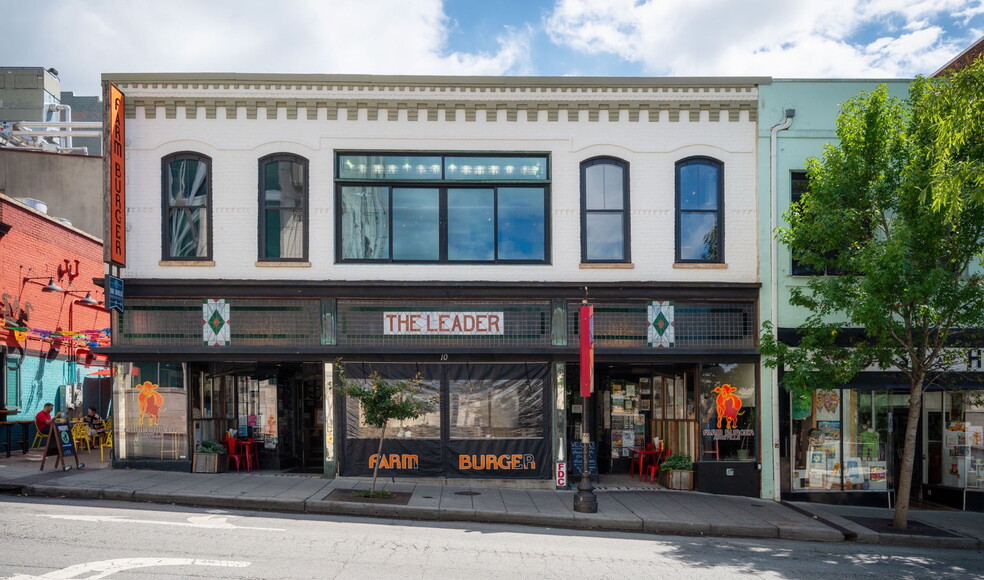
x,y
489,423
500,458
400,458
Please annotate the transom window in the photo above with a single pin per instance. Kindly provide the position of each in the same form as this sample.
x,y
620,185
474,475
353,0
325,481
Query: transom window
x,y
699,210
604,210
186,184
283,207
423,208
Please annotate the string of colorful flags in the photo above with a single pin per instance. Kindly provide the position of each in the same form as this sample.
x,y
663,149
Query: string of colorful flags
x,y
89,337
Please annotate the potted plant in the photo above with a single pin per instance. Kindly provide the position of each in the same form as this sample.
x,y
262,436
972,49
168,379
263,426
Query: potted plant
x,y
209,457
677,472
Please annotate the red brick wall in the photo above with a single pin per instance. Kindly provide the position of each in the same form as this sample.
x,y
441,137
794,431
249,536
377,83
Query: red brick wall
x,y
37,245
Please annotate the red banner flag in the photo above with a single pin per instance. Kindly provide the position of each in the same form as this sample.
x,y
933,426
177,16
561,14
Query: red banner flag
x,y
587,350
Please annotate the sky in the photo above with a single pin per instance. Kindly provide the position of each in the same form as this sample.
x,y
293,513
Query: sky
x,y
82,39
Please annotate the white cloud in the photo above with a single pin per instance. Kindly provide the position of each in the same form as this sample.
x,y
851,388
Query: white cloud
x,y
772,37
85,39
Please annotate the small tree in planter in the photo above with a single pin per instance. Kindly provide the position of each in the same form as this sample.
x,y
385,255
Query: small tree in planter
x,y
209,458
678,471
383,400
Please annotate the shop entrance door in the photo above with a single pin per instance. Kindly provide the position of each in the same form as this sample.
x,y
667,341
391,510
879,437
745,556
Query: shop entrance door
x,y
675,412
898,420
304,410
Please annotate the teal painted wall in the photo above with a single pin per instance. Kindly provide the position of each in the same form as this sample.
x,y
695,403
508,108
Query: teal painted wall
x,y
817,104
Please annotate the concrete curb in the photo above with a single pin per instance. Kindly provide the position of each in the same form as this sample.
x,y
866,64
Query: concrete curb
x,y
833,531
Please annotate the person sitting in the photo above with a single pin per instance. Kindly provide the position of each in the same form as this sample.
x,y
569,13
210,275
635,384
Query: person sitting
x,y
96,424
43,419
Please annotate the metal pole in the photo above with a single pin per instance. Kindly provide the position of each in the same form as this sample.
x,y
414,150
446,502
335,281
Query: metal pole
x,y
585,500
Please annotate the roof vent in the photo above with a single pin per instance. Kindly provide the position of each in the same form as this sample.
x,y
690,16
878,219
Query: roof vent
x,y
35,204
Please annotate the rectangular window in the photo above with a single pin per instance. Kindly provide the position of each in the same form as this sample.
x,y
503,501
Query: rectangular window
x,y
699,209
800,184
501,217
283,208
11,380
729,422
152,417
604,210
187,197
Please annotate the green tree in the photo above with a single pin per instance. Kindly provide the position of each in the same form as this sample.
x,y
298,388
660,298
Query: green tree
x,y
382,401
910,273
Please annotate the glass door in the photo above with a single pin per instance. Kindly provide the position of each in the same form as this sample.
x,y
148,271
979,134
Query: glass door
x,y
674,410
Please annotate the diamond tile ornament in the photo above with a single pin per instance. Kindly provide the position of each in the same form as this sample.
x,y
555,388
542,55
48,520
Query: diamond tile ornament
x,y
216,330
660,332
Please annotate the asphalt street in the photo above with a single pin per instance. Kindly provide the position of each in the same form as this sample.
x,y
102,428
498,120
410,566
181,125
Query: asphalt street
x,y
103,539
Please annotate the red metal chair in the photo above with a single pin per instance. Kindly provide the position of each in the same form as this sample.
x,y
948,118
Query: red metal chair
x,y
639,459
236,452
658,462
251,449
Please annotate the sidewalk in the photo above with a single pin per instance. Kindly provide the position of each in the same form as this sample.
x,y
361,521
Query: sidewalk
x,y
665,512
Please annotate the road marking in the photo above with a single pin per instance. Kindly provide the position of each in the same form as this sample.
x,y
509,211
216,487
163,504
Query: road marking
x,y
210,521
104,568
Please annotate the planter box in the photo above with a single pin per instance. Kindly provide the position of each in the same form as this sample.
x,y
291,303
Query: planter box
x,y
677,479
209,463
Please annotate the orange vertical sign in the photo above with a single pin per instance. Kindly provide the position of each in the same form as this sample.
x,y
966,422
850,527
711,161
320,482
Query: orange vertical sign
x,y
117,178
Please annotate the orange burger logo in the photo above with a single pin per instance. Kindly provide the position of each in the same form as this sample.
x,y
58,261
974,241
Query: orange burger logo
x,y
494,462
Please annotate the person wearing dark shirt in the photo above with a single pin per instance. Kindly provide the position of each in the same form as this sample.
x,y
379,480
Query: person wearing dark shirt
x,y
95,423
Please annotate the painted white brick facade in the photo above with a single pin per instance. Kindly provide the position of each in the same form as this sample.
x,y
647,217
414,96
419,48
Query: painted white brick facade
x,y
657,125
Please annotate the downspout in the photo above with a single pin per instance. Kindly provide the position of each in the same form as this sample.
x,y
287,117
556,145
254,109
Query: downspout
x,y
66,111
774,285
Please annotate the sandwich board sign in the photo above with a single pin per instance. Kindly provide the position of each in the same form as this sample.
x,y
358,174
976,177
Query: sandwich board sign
x,y
62,446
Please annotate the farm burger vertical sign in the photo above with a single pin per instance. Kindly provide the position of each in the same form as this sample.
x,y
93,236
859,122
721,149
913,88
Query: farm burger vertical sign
x,y
114,144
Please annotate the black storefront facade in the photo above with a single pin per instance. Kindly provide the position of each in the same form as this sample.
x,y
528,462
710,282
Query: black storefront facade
x,y
198,360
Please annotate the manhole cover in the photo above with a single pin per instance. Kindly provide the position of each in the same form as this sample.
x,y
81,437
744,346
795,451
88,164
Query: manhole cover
x,y
467,493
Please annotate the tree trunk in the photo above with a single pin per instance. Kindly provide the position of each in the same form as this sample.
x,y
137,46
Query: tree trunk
x,y
379,458
904,487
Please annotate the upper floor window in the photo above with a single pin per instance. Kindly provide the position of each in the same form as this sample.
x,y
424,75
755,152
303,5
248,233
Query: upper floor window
x,y
442,208
699,210
799,183
187,203
283,208
604,210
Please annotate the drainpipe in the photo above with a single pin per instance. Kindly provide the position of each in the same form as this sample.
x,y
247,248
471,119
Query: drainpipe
x,y
774,285
66,111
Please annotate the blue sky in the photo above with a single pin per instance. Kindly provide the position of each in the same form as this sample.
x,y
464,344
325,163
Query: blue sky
x,y
778,38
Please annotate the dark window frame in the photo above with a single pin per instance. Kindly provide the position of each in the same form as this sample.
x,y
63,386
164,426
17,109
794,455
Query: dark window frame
x,y
166,207
795,268
263,208
442,186
442,192
719,211
626,221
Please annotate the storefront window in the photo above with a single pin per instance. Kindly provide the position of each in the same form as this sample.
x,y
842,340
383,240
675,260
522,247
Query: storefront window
x,y
960,433
427,426
482,408
729,421
840,440
152,417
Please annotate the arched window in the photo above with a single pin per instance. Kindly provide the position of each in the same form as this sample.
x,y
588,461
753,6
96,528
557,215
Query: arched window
x,y
699,210
186,187
604,210
283,208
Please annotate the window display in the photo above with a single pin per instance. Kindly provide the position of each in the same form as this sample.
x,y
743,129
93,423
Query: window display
x,y
728,412
840,441
152,421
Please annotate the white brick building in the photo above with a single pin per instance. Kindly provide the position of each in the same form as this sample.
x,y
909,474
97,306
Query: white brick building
x,y
314,206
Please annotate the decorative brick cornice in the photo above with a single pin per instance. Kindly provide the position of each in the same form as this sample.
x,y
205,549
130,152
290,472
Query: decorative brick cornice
x,y
429,99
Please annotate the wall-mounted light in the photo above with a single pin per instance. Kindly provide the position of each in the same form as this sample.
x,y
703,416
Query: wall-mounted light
x,y
49,287
88,300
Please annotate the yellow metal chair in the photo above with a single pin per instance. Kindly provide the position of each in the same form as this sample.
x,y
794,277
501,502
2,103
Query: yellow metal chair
x,y
106,442
40,440
80,434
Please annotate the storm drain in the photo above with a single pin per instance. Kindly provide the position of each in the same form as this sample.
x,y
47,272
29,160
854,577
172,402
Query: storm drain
x,y
467,493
